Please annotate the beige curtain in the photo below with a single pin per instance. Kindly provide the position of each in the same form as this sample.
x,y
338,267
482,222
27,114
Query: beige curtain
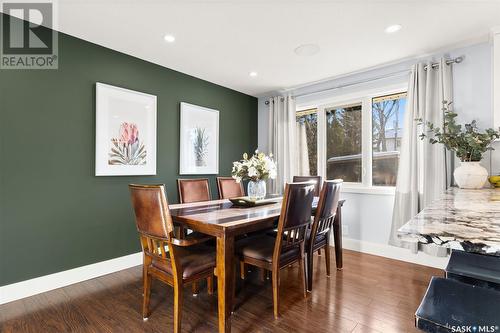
x,y
282,132
302,153
424,169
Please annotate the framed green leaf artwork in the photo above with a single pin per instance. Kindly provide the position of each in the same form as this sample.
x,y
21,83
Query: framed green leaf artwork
x,y
199,140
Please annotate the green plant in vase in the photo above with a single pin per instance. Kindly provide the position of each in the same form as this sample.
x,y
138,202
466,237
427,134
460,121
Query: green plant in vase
x,y
467,142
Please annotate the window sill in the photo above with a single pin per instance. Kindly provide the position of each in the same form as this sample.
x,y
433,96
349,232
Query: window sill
x,y
374,190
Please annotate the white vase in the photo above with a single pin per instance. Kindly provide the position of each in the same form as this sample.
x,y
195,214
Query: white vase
x,y
470,175
257,189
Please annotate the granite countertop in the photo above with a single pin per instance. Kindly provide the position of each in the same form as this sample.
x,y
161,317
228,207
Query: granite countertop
x,y
462,219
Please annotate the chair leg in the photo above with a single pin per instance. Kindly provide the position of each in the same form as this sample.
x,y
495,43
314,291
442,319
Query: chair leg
x,y
177,306
195,288
147,293
210,285
242,270
309,271
182,232
327,254
276,292
262,274
302,272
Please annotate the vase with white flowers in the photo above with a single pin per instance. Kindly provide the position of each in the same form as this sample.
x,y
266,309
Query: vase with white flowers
x,y
256,169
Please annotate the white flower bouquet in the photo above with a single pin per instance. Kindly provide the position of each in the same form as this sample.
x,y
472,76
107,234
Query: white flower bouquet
x,y
258,167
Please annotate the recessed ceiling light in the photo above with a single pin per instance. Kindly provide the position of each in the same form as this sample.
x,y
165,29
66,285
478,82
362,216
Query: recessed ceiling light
x,y
253,74
393,28
307,50
169,38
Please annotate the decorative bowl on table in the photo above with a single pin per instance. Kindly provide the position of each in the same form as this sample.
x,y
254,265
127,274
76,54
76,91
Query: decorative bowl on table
x,y
251,202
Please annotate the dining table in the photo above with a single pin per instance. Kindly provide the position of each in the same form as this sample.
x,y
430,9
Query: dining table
x,y
225,221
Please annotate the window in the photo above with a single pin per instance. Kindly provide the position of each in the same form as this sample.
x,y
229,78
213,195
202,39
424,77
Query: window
x,y
343,143
358,140
387,119
307,142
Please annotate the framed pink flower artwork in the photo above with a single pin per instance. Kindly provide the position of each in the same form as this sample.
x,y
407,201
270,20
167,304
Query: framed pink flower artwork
x,y
125,132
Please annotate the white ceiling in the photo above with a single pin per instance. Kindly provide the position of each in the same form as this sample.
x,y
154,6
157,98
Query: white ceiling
x,y
222,41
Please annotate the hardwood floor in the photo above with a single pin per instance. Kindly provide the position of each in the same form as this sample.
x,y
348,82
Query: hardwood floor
x,y
371,294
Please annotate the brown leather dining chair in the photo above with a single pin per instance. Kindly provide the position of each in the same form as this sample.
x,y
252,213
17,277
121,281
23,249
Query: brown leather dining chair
x,y
229,188
315,179
319,235
193,190
275,253
174,261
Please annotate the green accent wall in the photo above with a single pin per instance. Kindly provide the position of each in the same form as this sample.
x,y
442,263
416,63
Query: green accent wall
x,y
54,213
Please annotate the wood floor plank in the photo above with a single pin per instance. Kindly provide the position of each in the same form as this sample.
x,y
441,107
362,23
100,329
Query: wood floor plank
x,y
371,294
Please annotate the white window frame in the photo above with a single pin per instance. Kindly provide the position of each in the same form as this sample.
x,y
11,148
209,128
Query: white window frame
x,y
365,98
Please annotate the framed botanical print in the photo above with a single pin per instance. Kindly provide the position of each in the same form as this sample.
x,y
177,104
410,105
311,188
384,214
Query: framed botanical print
x,y
125,132
199,140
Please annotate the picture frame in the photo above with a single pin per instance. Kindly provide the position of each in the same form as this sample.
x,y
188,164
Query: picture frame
x,y
126,126
199,140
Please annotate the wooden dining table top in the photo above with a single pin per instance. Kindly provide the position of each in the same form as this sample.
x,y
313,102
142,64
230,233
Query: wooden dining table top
x,y
222,214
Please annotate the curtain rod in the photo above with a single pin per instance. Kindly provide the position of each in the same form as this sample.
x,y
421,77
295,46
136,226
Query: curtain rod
x,y
434,65
456,60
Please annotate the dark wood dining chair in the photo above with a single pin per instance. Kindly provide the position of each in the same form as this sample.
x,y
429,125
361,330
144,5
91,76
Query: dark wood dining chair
x,y
319,234
275,253
193,190
174,261
229,188
315,179
317,186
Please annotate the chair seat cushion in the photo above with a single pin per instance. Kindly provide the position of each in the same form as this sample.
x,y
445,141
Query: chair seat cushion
x,y
262,248
194,259
450,303
474,268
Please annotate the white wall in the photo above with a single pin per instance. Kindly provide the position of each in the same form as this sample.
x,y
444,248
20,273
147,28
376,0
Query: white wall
x,y
368,216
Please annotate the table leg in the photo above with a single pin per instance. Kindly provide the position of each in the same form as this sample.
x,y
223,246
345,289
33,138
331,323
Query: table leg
x,y
337,237
225,253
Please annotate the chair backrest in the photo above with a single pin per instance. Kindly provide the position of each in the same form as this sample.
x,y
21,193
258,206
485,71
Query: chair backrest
x,y
295,217
154,222
193,190
229,188
327,208
152,216
315,179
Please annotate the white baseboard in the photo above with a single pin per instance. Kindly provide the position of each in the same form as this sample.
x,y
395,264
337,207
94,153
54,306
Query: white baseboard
x,y
393,252
45,283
